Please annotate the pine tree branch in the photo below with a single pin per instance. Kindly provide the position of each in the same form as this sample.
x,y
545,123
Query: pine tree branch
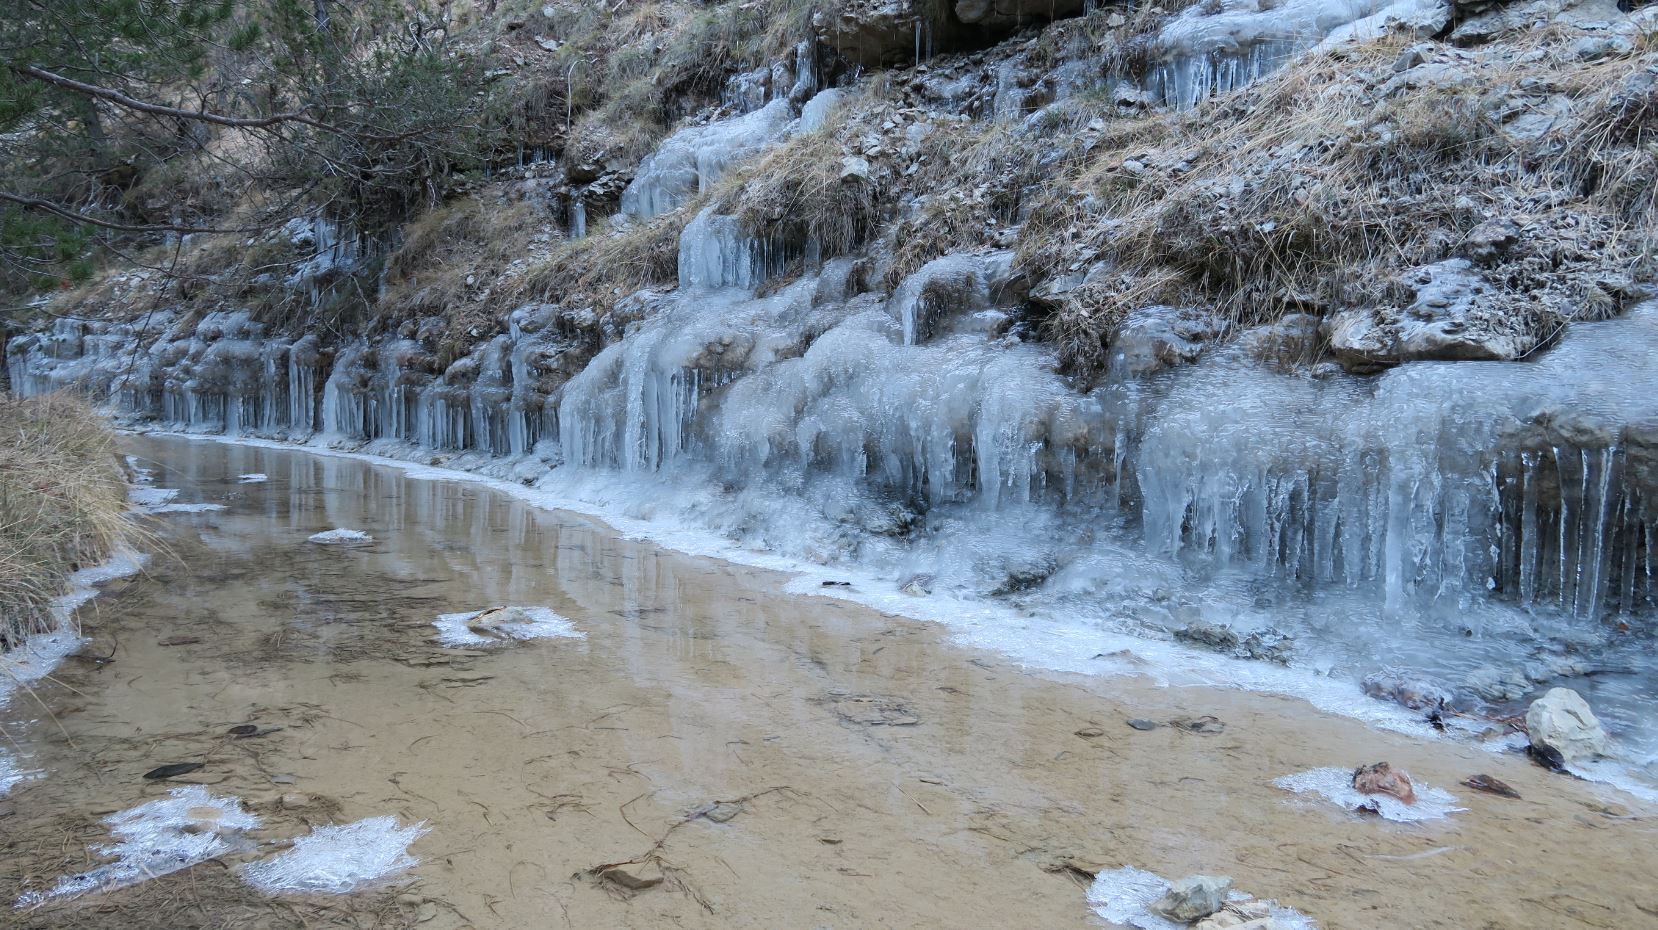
x,y
132,103
76,216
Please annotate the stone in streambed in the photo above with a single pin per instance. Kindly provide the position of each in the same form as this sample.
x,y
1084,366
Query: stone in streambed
x,y
635,876
1193,898
1561,724
1382,778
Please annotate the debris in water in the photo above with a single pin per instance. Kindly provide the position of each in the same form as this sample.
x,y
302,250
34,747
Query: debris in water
x,y
837,584
243,729
1491,785
172,770
179,641
502,624
338,859
1204,724
158,838
874,711
1143,724
341,536
1090,733
1336,785
1382,778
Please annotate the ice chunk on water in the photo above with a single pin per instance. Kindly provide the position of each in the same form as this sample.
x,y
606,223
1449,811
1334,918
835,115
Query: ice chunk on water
x,y
340,537
485,627
187,508
338,859
1336,785
252,478
1123,896
158,838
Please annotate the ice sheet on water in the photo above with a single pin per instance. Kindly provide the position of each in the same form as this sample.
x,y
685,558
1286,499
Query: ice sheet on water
x,y
1336,786
338,537
252,478
150,498
157,838
187,508
1124,896
338,859
486,627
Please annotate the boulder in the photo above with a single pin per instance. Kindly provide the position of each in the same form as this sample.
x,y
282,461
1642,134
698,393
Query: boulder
x,y
1193,898
1560,722
1454,315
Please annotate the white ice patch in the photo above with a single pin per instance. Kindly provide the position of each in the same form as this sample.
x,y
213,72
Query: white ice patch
x,y
340,537
187,508
12,772
1336,786
1124,897
161,500
487,627
156,839
150,498
140,474
335,859
252,478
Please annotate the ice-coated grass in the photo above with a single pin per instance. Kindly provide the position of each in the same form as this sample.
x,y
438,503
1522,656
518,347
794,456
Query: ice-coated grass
x,y
1336,786
338,859
466,629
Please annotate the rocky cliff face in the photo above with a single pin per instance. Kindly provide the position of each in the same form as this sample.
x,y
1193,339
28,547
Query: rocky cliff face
x,y
1287,317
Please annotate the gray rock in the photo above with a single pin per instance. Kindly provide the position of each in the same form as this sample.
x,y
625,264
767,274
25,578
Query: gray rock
x,y
1595,48
1407,689
1215,636
1454,315
1561,721
1490,241
1154,338
1193,898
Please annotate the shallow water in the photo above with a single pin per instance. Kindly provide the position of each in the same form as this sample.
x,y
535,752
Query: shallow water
x,y
872,772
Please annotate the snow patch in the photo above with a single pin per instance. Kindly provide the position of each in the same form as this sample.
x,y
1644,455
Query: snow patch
x,y
338,859
474,628
1336,786
156,839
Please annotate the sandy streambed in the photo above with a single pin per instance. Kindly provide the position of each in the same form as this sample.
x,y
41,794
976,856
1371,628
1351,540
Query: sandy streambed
x,y
758,759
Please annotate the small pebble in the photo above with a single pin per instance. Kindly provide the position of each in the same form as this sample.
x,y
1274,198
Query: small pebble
x,y
1142,724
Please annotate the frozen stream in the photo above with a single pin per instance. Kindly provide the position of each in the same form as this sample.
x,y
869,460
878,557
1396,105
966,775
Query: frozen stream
x,y
775,760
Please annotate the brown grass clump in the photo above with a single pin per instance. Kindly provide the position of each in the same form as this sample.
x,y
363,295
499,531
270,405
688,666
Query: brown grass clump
x,y
610,263
63,504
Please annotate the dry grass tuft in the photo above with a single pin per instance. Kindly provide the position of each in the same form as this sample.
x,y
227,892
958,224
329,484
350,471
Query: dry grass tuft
x,y
610,263
63,504
1314,188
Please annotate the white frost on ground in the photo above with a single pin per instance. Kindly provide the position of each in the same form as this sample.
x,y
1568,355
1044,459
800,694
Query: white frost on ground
x,y
341,536
505,623
251,478
1123,896
1336,786
157,838
336,859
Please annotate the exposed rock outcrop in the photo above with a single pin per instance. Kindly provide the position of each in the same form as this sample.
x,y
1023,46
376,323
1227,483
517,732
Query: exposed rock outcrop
x,y
1454,315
